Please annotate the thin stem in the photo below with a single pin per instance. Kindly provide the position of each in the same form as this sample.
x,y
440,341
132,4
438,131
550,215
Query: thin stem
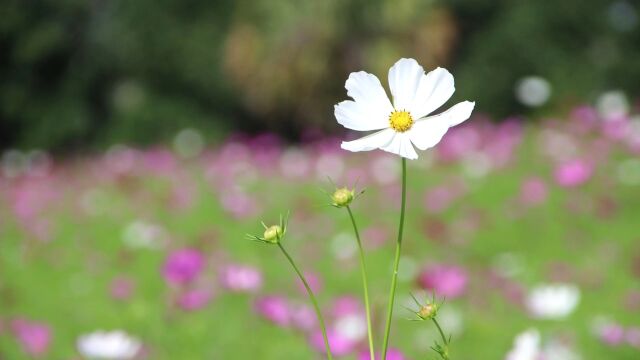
x,y
396,263
444,338
445,355
313,300
363,270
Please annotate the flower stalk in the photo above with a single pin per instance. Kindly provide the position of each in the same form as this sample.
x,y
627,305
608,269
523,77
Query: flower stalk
x,y
365,286
396,262
313,300
273,235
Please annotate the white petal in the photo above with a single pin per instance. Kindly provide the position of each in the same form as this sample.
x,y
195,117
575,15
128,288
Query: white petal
x,y
370,142
434,90
356,116
401,145
428,132
457,114
404,78
370,97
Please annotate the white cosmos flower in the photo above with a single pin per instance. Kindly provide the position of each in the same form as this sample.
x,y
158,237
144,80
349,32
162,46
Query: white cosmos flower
x,y
553,301
114,345
526,346
404,124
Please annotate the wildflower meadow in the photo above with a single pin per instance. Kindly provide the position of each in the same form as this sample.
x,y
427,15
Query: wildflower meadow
x,y
281,179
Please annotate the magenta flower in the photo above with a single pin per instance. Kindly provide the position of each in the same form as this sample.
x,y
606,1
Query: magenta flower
x,y
304,317
339,344
533,191
346,305
275,309
448,281
34,337
241,278
612,334
194,299
183,266
573,173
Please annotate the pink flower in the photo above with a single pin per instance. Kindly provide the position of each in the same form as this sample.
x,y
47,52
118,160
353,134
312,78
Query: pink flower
x,y
611,334
121,288
632,336
439,198
533,191
275,309
160,161
340,345
183,266
194,299
34,337
448,281
392,354
346,305
304,318
241,278
573,173
314,281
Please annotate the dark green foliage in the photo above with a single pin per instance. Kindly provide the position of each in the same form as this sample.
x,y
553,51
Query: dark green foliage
x,y
77,73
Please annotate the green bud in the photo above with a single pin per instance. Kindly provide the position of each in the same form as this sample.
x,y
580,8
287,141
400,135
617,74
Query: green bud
x,y
342,197
273,234
428,311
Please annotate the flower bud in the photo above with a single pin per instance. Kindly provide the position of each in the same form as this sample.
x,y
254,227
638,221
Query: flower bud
x,y
342,197
428,311
273,234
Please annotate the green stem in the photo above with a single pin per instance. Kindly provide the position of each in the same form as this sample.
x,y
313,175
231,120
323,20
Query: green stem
x,y
313,300
396,263
363,270
444,339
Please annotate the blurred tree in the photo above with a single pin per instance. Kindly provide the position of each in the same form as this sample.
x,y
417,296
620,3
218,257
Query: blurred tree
x,y
581,47
77,73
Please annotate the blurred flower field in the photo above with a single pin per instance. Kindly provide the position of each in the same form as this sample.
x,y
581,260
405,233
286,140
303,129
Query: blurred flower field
x,y
524,229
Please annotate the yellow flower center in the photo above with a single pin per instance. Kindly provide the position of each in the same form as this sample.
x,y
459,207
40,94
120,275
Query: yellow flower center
x,y
400,121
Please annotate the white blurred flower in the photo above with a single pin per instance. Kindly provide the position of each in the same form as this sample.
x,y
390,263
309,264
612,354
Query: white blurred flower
x,y
556,350
612,104
452,319
533,91
352,327
526,346
188,143
553,301
343,246
101,345
13,163
405,124
128,95
141,234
